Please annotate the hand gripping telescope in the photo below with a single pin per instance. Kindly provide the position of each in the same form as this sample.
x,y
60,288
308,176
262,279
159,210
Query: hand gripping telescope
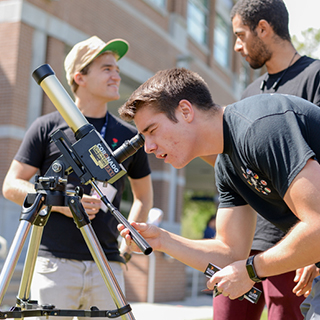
x,y
91,159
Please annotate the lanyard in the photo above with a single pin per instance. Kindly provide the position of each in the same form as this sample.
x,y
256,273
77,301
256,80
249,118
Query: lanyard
x,y
104,127
276,84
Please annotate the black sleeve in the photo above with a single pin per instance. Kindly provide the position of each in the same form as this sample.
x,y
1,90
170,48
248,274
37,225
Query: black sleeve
x,y
280,152
226,182
316,89
32,150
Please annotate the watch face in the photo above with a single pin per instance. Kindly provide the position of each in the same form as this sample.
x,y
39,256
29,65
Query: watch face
x,y
250,272
250,269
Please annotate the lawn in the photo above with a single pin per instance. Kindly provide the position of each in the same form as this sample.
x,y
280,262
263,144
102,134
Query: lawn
x,y
264,315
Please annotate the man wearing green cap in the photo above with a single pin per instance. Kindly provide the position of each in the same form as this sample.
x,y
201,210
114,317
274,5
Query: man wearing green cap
x,y
65,273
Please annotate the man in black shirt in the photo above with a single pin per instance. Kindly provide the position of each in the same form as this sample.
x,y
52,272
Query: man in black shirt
x,y
263,39
267,148
65,273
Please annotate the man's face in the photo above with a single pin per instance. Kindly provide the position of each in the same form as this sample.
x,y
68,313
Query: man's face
x,y
103,79
249,44
168,140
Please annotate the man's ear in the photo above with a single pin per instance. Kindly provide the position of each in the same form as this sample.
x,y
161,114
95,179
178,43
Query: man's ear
x,y
78,78
186,110
263,28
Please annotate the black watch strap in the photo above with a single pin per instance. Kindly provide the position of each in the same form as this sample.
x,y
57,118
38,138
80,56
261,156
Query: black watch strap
x,y
252,271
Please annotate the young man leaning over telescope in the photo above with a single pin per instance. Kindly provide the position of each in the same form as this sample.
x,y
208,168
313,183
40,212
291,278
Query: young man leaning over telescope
x,y
267,148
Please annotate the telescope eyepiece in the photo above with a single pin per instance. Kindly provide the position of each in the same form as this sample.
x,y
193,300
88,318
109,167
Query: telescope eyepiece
x,y
137,141
128,148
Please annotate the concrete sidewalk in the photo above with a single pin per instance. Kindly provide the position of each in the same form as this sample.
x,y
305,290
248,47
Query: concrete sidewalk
x,y
199,308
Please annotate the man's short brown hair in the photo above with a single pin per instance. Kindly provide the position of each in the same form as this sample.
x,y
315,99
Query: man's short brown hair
x,y
165,90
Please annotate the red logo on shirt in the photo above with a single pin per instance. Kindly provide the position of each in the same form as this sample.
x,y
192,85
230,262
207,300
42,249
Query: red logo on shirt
x,y
114,142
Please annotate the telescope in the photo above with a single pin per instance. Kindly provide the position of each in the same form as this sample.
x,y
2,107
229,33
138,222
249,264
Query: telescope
x,y
92,160
91,150
90,157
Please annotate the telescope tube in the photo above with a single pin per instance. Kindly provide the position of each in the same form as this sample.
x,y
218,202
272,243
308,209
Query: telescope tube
x,y
45,77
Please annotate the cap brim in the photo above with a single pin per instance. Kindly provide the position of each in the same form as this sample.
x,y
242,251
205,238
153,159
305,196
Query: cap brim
x,y
119,46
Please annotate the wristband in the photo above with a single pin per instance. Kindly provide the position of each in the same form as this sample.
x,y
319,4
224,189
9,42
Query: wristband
x,y
251,270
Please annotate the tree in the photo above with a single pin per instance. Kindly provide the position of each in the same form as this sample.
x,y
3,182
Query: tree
x,y
310,44
198,208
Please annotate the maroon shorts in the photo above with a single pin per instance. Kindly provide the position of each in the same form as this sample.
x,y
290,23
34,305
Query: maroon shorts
x,y
276,295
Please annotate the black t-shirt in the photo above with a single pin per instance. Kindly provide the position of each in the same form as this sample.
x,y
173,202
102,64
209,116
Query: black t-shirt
x,y
267,141
61,238
302,79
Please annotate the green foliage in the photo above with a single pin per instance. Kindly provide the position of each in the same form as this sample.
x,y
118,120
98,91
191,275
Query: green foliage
x,y
198,208
264,315
310,43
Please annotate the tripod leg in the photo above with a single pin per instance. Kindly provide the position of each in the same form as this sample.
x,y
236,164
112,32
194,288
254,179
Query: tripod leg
x,y
28,269
83,223
13,256
27,217
31,257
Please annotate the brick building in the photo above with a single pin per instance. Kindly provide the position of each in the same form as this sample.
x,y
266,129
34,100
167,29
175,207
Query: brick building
x,y
196,34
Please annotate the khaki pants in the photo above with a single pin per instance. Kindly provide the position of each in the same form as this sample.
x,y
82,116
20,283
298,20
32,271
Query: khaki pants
x,y
72,284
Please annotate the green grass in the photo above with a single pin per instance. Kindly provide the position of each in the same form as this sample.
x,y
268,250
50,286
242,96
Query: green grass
x,y
264,315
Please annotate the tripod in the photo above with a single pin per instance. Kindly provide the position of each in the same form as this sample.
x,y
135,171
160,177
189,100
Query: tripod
x,y
91,159
32,216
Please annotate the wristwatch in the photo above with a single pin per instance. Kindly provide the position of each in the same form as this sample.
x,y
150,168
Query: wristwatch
x,y
251,270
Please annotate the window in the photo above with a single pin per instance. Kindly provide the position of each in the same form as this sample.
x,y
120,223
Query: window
x,y
222,32
225,5
221,41
197,20
159,3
